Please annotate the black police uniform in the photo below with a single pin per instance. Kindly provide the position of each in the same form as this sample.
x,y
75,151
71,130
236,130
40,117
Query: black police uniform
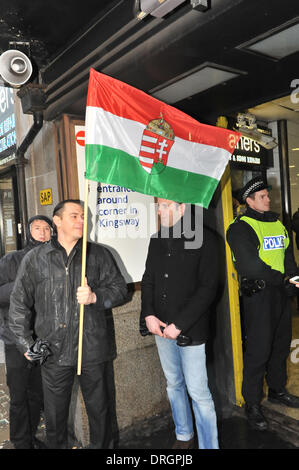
x,y
266,313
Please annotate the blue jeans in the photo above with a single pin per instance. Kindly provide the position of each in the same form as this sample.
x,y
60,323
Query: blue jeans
x,y
185,371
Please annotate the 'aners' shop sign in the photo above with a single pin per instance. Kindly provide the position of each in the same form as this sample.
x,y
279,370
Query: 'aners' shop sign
x,y
250,155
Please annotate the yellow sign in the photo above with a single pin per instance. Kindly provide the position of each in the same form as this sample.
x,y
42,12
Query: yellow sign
x,y
45,197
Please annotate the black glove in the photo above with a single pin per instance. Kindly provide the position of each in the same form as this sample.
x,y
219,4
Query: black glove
x,y
39,351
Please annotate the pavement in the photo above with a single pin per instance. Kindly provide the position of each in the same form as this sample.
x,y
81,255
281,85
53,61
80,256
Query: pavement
x,y
4,401
157,433
234,433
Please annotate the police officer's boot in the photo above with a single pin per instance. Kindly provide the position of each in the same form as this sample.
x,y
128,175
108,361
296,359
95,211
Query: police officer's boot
x,y
283,398
255,417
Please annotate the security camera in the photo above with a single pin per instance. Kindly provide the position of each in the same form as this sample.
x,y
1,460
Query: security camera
x,y
156,8
246,124
200,5
264,140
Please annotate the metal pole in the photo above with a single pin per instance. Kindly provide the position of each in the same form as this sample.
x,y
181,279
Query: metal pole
x,y
20,165
83,271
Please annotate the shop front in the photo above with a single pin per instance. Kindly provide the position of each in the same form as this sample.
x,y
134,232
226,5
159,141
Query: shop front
x,y
279,166
9,209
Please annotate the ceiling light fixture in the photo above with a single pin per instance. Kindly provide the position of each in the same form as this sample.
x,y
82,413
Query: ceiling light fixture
x,y
277,43
193,82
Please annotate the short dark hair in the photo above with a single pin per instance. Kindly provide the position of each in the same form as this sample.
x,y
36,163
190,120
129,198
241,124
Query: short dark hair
x,y
58,209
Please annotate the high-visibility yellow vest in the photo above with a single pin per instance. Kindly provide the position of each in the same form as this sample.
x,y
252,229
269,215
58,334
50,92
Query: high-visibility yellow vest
x,y
273,240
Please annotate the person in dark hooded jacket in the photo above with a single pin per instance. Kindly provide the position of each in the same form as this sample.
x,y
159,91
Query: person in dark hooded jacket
x,y
23,379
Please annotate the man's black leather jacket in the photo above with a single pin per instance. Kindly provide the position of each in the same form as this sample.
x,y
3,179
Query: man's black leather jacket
x,y
48,280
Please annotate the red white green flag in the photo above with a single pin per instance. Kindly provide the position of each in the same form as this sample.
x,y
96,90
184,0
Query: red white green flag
x,y
138,142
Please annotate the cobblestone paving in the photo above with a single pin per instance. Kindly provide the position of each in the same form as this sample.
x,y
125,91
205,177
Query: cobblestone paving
x,y
4,403
4,411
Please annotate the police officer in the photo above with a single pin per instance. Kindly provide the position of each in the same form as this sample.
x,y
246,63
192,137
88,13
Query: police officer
x,y
264,259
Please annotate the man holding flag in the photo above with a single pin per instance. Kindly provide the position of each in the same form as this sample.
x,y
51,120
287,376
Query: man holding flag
x,y
49,280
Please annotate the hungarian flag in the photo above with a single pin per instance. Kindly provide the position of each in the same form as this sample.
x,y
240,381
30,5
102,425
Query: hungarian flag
x,y
138,142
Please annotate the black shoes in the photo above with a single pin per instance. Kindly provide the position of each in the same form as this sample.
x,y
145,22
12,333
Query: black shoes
x,y
283,398
254,413
255,417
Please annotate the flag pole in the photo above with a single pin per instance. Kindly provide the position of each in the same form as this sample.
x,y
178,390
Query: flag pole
x,y
83,271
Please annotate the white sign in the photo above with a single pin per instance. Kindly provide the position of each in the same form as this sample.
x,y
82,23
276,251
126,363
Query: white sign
x,y
122,219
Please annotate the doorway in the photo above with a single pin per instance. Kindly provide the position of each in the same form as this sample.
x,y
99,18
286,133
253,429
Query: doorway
x,y
10,238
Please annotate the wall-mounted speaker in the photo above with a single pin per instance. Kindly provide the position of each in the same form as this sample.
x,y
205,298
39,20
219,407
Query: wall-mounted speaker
x,y
15,67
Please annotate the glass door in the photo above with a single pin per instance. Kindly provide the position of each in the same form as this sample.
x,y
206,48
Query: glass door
x,y
10,239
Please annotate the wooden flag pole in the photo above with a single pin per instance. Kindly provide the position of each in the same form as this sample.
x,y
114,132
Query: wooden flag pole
x,y
83,271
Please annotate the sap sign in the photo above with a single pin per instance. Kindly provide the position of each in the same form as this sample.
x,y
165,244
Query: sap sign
x,y
273,243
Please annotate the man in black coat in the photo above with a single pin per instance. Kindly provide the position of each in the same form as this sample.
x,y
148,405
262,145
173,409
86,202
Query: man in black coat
x,y
178,286
50,280
23,379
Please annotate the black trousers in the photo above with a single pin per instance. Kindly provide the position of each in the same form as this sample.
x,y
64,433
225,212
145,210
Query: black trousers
x,y
26,397
267,327
57,385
